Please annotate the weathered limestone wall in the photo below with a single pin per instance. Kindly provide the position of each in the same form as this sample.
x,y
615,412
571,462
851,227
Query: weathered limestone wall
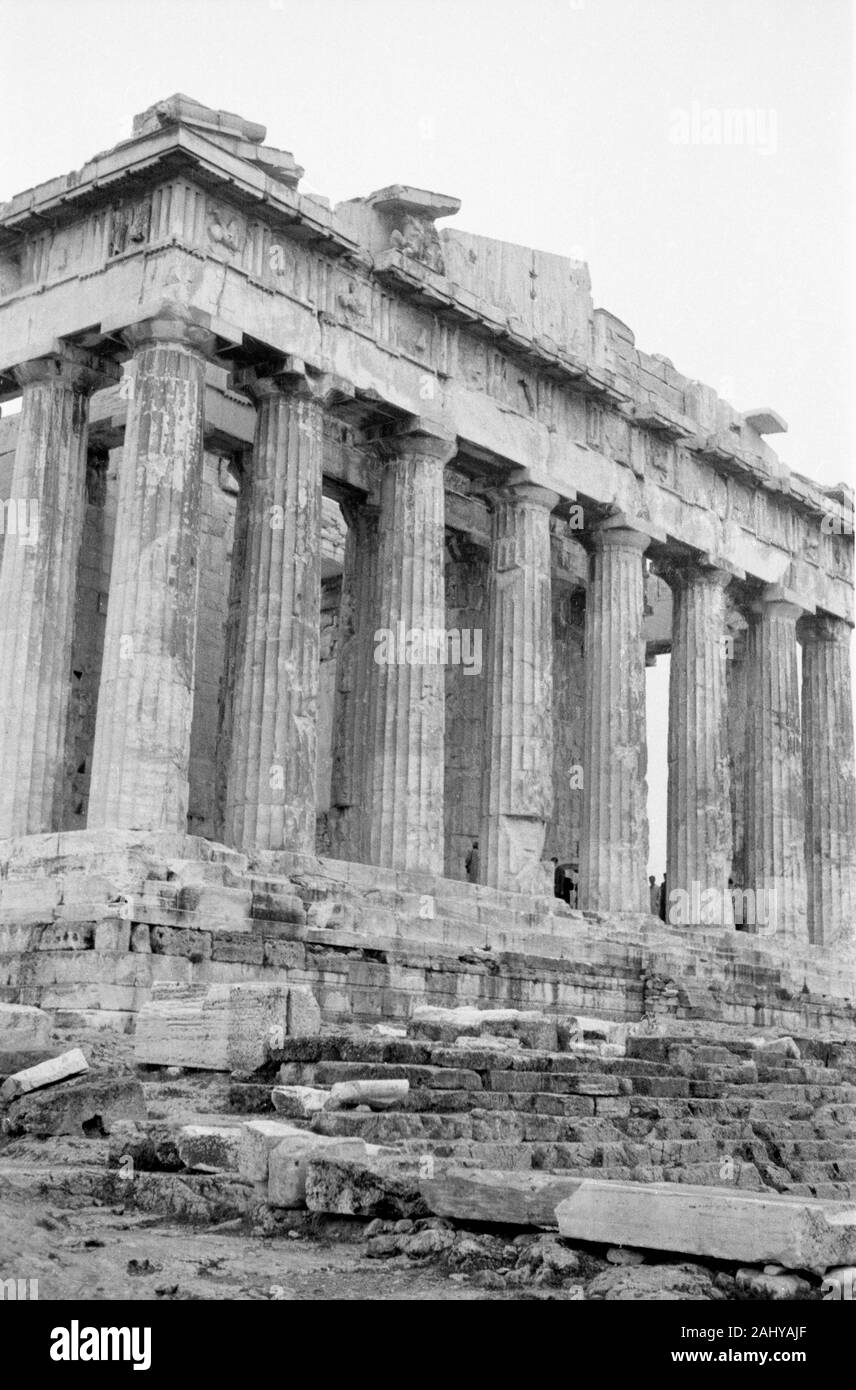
x,y
358,937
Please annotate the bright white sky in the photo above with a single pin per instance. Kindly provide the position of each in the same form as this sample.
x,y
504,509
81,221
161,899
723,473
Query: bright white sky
x,y
550,120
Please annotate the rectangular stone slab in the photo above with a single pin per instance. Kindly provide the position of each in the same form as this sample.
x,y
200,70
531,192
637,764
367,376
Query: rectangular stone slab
x,y
60,1068
750,1227
500,1196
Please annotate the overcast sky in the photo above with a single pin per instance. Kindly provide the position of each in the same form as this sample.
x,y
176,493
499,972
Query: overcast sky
x,y
583,127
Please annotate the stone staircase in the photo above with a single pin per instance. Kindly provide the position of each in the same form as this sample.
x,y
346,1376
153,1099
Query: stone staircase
x,y
94,921
709,1111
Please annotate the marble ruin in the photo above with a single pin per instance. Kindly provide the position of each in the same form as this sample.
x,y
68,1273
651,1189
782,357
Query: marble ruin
x,y
335,544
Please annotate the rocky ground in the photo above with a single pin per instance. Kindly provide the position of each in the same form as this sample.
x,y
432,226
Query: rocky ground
x,y
85,1249
187,1223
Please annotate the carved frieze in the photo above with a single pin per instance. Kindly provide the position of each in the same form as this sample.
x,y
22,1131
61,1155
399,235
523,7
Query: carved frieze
x,y
130,225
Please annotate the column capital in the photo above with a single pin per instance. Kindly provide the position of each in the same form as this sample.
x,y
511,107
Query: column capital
x,y
289,376
420,439
679,570
354,511
618,535
823,627
171,328
68,366
531,494
777,601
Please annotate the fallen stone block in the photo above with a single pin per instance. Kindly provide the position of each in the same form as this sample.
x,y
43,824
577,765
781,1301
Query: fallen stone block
x,y
445,1025
48,1073
377,1095
772,1286
751,1227
378,1185
288,1164
258,1138
299,1102
579,1029
210,1148
23,1028
222,1028
90,1107
787,1046
514,1198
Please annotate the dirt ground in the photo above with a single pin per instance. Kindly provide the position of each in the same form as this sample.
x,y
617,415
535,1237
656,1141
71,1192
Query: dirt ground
x,y
98,1252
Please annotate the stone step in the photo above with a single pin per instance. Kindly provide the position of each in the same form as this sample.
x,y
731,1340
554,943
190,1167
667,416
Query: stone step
x,y
705,1090
329,1073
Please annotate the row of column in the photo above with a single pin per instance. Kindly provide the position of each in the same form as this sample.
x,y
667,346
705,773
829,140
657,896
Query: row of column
x,y
387,790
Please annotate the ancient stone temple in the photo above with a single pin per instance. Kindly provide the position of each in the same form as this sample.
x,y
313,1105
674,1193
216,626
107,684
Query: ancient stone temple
x,y
335,544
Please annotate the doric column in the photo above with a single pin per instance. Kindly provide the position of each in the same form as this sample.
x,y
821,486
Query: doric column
x,y
407,714
43,530
517,780
774,826
614,846
142,731
357,626
270,800
735,676
698,856
830,789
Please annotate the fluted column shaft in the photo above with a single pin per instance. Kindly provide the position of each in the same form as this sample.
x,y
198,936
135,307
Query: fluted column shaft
x,y
270,800
349,792
830,782
774,823
407,697
517,780
614,843
142,732
43,528
698,802
736,701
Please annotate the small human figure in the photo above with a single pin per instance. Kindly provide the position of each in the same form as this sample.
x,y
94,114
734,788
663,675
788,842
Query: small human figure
x,y
572,886
736,904
471,863
558,878
653,895
664,900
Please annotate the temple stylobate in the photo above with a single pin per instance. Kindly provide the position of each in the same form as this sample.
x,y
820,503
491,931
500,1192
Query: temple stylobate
x,y
333,531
